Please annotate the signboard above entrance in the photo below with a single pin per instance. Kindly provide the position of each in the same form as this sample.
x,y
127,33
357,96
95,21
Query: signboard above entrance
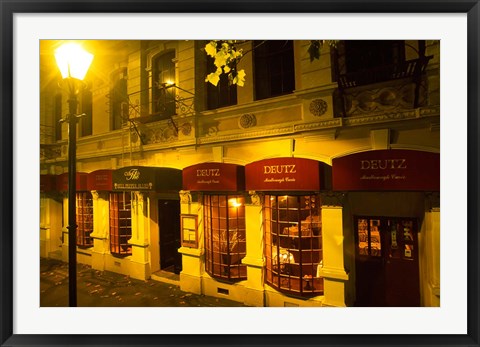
x,y
147,178
287,174
214,177
387,170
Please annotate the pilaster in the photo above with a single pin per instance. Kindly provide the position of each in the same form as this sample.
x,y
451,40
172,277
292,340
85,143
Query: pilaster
x,y
192,258
140,265
431,258
333,270
100,229
254,258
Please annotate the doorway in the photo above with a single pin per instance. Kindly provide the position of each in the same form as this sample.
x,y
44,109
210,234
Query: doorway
x,y
386,262
169,229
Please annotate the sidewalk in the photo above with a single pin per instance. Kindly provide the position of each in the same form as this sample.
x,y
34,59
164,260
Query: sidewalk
x,y
108,289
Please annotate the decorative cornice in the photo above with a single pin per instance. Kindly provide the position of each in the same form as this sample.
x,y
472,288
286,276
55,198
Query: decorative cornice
x,y
247,135
326,124
392,116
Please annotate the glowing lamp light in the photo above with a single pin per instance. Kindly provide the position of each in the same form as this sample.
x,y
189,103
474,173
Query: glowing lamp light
x,y
73,61
234,202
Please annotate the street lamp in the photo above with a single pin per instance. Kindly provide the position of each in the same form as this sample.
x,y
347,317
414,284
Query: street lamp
x,y
73,63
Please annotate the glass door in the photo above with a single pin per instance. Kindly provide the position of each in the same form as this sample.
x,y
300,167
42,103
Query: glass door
x,y
386,261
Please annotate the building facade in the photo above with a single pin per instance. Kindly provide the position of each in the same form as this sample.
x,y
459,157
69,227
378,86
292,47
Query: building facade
x,y
316,183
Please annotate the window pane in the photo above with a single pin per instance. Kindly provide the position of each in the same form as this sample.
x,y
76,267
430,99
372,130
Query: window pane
x,y
120,224
274,68
225,236
84,210
293,247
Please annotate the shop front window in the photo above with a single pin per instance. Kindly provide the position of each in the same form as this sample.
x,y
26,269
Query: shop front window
x,y
293,243
84,219
225,243
120,223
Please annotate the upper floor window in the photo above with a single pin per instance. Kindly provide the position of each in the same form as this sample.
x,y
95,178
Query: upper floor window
x,y
57,109
362,62
118,99
86,107
223,94
274,68
163,90
364,55
225,243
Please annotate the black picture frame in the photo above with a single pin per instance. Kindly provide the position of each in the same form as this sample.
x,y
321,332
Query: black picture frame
x,y
10,7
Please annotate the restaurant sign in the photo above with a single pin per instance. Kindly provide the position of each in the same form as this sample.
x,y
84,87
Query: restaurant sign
x,y
147,178
214,177
287,174
387,170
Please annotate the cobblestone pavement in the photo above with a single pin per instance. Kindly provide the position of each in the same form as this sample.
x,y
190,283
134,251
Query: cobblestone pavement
x,y
108,289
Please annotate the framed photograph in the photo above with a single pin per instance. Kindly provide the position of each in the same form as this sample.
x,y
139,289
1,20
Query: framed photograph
x,y
236,135
189,228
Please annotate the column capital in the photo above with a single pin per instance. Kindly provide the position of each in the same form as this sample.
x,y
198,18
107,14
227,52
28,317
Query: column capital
x,y
185,196
333,198
140,196
94,194
256,197
432,200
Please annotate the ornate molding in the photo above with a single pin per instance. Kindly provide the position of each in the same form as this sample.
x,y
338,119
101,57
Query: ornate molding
x,y
333,198
432,200
247,120
378,118
140,196
386,99
95,194
318,107
185,197
246,135
256,198
326,124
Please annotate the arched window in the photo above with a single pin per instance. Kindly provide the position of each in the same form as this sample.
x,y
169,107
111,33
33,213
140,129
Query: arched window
x,y
293,243
225,243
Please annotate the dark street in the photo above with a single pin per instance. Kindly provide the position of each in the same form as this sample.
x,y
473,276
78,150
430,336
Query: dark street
x,y
108,289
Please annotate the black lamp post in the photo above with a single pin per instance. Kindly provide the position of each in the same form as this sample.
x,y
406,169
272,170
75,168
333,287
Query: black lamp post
x,y
73,63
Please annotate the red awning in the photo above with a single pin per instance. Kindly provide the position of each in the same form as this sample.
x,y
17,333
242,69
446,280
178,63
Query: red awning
x,y
288,174
214,177
47,183
100,180
387,170
81,182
